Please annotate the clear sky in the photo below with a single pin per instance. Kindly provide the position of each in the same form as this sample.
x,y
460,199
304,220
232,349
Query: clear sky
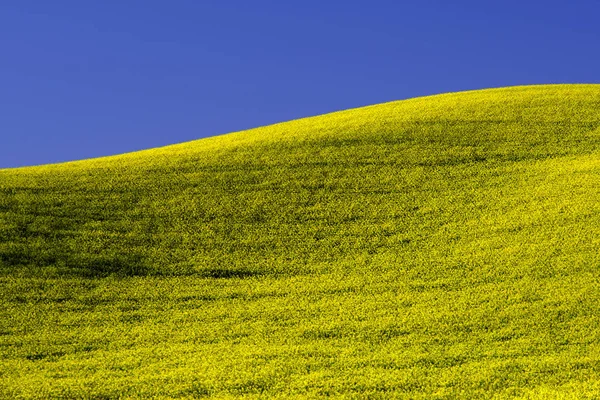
x,y
82,79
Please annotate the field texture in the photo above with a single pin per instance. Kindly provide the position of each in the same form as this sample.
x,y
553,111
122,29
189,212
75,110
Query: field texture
x,y
435,248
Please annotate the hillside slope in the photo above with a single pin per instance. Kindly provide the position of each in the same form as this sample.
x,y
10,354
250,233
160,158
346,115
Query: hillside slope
x,y
434,247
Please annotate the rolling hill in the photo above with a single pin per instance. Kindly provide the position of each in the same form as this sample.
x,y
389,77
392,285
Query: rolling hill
x,y
439,247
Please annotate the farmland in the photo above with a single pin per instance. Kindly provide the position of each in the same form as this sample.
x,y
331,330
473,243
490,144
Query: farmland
x,y
439,247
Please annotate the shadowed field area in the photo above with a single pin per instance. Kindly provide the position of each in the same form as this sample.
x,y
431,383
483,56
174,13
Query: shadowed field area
x,y
436,248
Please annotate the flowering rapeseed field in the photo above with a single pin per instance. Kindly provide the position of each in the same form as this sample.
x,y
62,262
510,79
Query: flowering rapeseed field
x,y
436,248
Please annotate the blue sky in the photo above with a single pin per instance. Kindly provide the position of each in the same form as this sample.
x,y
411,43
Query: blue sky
x,y
82,79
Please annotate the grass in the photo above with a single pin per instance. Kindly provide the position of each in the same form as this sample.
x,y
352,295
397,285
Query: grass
x,y
434,248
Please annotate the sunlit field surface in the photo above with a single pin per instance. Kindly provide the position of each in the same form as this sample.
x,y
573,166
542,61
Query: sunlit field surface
x,y
434,248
